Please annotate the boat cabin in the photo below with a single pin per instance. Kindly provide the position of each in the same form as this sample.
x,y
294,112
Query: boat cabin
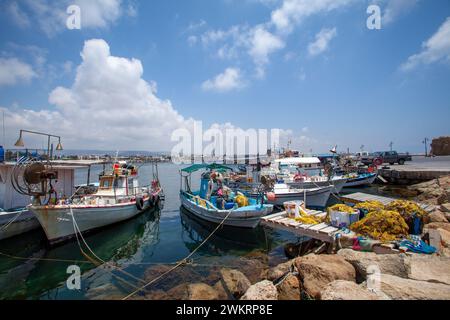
x,y
122,182
63,185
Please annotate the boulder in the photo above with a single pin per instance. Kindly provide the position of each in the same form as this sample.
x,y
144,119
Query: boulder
x,y
202,291
234,282
445,237
437,216
429,268
445,207
289,289
222,293
438,225
280,270
264,290
407,289
349,290
316,271
394,264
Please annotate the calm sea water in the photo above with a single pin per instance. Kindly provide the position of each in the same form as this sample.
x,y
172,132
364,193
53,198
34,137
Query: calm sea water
x,y
161,237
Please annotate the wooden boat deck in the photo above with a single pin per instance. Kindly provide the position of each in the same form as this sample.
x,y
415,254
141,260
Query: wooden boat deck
x,y
358,197
323,231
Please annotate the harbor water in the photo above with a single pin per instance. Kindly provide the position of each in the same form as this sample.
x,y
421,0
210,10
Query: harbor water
x,y
137,251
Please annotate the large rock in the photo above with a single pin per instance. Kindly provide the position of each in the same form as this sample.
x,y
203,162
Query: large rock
x,y
289,289
387,263
406,289
429,268
437,216
202,291
348,290
316,271
445,207
234,282
264,290
280,270
438,225
445,237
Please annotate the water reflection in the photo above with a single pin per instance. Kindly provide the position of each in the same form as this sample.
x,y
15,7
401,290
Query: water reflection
x,y
224,240
41,268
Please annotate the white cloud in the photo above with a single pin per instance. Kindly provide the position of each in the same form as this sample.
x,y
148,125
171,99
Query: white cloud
x,y
435,49
322,41
108,106
13,71
262,44
51,17
19,17
293,12
230,79
397,8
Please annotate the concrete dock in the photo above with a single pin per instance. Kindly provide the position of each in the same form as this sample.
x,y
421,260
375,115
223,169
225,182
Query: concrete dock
x,y
418,170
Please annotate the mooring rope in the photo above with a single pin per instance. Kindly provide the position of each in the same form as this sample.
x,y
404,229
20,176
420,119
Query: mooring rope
x,y
180,263
77,231
4,227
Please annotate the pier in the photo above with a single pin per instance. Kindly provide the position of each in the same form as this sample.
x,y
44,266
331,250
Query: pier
x,y
419,170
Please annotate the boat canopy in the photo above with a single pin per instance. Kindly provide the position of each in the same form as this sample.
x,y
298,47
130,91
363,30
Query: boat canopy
x,y
213,166
298,160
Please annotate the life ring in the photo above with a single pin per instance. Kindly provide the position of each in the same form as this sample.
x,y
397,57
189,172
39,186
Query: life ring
x,y
378,161
140,203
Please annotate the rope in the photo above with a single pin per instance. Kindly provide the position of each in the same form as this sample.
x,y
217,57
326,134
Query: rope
x,y
78,231
4,227
184,261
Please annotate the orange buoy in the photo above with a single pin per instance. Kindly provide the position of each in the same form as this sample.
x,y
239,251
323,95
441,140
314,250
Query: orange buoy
x,y
271,196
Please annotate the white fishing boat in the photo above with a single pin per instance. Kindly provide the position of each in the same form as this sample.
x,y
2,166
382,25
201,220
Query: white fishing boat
x,y
212,205
313,197
118,198
15,217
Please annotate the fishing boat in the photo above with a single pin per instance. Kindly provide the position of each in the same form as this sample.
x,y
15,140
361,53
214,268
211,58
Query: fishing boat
x,y
313,197
15,217
118,198
216,203
360,179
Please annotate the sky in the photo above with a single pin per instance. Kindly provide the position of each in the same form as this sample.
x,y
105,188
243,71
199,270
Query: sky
x,y
137,71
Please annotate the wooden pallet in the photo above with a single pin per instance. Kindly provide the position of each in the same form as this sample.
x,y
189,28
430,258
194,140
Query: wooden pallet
x,y
361,197
321,231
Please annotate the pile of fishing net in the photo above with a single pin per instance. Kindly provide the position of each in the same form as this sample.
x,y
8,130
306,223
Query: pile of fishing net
x,y
341,208
408,209
369,206
384,225
306,218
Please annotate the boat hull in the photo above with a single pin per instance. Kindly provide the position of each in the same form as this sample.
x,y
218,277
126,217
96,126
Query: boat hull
x,y
58,223
242,219
316,198
17,222
361,181
338,184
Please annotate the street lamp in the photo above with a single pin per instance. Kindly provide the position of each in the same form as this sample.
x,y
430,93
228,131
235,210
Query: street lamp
x,y
425,142
20,143
391,144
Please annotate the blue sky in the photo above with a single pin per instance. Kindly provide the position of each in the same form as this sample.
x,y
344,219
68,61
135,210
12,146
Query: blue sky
x,y
324,77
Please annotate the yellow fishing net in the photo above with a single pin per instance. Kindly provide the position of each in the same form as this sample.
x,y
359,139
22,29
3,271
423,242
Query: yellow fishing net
x,y
406,208
305,218
384,225
241,200
341,208
370,206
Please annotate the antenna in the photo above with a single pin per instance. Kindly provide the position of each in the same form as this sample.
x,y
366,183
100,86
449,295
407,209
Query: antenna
x,y
4,134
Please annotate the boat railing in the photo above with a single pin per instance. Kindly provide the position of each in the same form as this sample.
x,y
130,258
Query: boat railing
x,y
194,198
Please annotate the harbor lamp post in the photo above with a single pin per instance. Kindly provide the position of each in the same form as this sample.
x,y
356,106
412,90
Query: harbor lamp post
x,y
425,142
20,143
391,144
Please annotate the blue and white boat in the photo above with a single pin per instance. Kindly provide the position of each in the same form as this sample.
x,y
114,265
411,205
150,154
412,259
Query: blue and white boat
x,y
216,206
360,179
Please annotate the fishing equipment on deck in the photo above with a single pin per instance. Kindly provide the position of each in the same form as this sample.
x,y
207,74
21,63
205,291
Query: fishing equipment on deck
x,y
411,212
241,200
342,216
